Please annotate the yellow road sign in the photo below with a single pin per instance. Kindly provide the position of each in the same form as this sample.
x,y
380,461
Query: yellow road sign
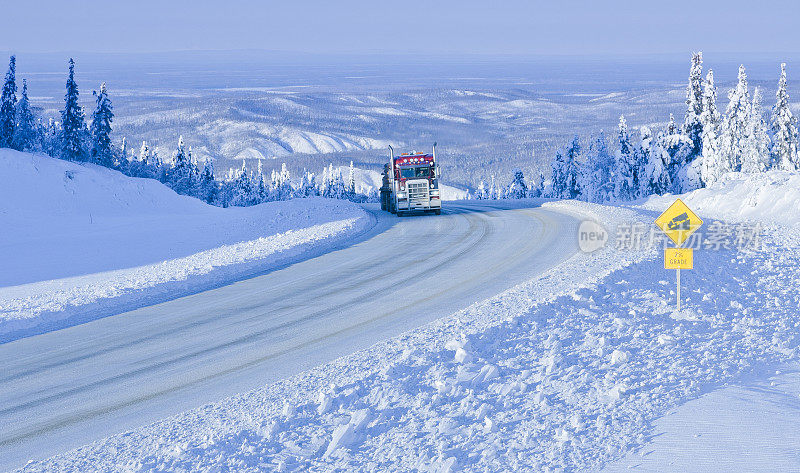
x,y
678,222
678,258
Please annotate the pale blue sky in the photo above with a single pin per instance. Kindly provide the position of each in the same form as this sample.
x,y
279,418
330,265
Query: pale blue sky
x,y
411,26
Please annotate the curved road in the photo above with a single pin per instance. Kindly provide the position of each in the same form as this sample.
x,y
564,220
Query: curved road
x,y
66,388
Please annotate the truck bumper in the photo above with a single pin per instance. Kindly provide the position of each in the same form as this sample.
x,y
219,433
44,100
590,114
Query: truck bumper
x,y
433,204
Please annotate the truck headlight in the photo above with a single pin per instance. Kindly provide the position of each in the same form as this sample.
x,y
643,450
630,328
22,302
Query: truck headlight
x,y
401,195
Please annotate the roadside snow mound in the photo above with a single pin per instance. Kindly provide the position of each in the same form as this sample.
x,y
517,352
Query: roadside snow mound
x,y
81,241
772,198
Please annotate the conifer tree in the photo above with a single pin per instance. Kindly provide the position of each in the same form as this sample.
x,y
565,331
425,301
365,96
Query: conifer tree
x,y
481,193
493,193
144,152
208,182
100,129
27,135
518,189
735,125
672,128
51,138
123,149
655,177
183,175
308,185
351,180
538,191
711,166
8,103
692,124
784,129
242,192
73,128
756,156
572,172
558,179
625,178
597,176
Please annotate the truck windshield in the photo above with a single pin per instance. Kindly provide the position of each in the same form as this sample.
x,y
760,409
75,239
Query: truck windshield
x,y
415,172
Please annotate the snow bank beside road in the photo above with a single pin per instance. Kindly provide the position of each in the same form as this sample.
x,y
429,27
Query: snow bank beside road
x,y
82,241
772,198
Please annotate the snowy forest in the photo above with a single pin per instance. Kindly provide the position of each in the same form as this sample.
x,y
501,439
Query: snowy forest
x,y
680,158
73,140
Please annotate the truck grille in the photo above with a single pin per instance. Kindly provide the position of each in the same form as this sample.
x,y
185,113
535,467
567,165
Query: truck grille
x,y
418,192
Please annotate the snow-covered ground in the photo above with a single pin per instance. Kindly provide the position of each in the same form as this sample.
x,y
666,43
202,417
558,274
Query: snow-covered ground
x,y
568,371
749,427
751,424
82,241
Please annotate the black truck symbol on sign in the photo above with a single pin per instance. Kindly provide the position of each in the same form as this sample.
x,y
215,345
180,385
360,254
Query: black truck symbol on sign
x,y
681,222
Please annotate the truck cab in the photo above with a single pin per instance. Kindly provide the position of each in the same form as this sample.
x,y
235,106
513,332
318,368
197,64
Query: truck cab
x,y
411,183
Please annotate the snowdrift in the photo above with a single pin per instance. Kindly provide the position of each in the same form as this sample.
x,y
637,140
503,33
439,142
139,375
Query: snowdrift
x,y
772,198
75,235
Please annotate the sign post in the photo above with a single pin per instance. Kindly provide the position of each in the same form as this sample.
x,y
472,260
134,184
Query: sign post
x,y
678,222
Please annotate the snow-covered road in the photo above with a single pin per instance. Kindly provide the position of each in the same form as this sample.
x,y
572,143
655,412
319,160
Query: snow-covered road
x,y
66,388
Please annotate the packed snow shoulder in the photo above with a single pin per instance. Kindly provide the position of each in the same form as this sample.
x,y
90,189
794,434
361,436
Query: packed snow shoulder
x,y
81,241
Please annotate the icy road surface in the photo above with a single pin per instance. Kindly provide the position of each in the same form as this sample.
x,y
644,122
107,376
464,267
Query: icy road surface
x,y
66,388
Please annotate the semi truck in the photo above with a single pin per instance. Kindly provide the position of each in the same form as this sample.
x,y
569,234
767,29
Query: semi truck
x,y
411,183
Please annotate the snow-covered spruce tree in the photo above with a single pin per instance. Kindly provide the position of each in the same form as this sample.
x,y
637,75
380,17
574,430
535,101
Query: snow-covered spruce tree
x,y
733,135
493,192
518,189
558,179
692,124
27,135
262,190
539,189
73,128
572,171
784,129
138,165
242,193
281,186
626,172
308,185
757,147
183,175
144,152
324,183
351,180
336,187
481,193
208,187
8,103
157,167
51,138
100,129
678,148
597,175
711,164
123,150
654,177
